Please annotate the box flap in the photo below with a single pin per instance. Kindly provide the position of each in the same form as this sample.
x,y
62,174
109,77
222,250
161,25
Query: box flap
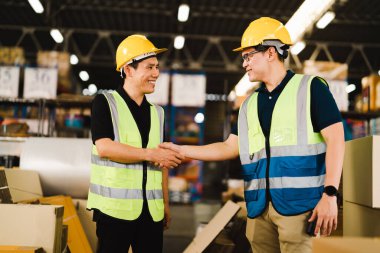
x,y
213,228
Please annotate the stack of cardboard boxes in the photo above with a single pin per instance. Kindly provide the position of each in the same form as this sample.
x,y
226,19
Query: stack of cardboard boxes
x,y
30,222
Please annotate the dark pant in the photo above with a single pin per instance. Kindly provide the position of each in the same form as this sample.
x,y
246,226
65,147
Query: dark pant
x,y
115,235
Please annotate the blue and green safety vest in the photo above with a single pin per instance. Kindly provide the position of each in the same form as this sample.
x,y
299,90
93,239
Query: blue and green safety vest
x,y
293,172
116,188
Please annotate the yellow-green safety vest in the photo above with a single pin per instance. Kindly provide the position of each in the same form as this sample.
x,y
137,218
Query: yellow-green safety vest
x,y
116,188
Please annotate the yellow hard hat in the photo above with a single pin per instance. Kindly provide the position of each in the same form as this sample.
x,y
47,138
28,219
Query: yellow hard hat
x,y
135,47
262,29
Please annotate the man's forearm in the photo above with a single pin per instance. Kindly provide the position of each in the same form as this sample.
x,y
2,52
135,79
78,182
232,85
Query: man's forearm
x,y
334,137
218,151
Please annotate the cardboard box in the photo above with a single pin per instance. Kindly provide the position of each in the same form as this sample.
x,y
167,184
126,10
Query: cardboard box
x,y
31,225
20,249
359,220
77,240
346,245
19,185
361,170
213,228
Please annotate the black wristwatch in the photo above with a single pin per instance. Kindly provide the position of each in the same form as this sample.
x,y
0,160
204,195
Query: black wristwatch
x,y
330,190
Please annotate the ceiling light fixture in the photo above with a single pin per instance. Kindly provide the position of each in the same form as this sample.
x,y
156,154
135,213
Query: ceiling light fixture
x,y
92,88
183,12
305,17
84,75
325,20
56,35
298,47
37,6
179,42
74,59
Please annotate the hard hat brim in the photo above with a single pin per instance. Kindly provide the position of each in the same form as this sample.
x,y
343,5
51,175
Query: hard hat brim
x,y
239,49
156,51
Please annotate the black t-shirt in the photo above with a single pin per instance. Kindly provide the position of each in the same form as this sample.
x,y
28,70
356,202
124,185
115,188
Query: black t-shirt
x,y
324,111
101,121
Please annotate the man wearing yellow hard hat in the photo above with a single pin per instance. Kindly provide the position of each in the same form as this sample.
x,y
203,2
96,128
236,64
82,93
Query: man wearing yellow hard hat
x,y
291,145
128,192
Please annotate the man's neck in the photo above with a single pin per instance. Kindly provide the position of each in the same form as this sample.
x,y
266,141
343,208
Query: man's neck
x,y
275,76
133,93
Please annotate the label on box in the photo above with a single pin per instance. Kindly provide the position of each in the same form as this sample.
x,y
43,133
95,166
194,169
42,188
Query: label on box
x,y
9,78
40,83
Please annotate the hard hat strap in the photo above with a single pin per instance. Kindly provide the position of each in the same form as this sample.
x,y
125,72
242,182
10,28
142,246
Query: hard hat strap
x,y
280,47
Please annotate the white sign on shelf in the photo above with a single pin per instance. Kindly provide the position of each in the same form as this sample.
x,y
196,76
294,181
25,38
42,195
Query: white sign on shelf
x,y
9,78
189,90
160,96
40,83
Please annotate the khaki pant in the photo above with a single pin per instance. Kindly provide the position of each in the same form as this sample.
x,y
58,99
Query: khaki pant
x,y
273,233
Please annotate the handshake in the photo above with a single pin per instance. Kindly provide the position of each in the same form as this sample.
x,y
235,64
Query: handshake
x,y
167,155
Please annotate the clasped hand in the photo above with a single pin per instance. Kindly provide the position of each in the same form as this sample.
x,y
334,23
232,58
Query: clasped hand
x,y
167,156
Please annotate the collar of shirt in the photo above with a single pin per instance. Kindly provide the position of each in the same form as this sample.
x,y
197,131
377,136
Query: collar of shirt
x,y
130,101
280,87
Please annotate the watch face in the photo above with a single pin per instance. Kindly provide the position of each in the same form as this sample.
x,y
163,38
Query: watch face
x,y
331,190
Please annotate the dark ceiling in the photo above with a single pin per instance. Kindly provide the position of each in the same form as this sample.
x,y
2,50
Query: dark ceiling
x,y
94,28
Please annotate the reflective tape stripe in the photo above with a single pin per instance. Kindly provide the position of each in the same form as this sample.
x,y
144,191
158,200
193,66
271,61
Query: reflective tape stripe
x,y
114,114
106,162
95,159
160,113
302,137
296,182
256,156
283,151
243,133
255,184
306,150
117,193
285,182
154,194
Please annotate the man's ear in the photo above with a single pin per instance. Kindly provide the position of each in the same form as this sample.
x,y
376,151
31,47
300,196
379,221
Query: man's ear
x,y
128,70
271,53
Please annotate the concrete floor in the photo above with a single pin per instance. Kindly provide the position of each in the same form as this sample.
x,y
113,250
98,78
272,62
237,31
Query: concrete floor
x,y
181,230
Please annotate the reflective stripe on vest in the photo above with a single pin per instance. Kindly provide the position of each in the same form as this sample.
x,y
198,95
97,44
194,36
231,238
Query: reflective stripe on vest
x,y
305,152
116,188
117,193
95,159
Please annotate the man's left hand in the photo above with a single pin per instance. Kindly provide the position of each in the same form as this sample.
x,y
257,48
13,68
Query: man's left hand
x,y
326,212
